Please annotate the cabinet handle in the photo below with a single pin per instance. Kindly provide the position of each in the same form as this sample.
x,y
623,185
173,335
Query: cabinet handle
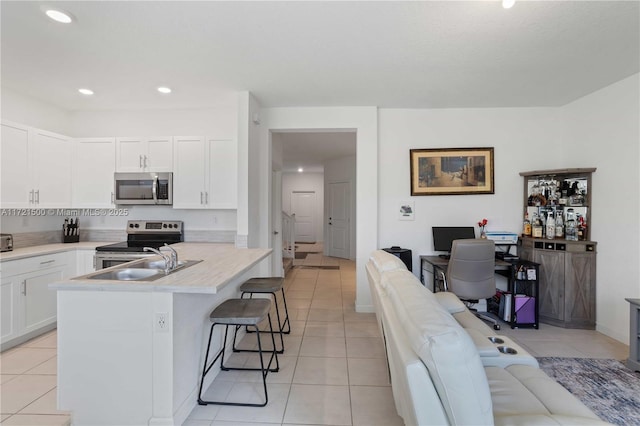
x,y
31,196
206,197
47,262
113,198
140,160
145,162
37,197
23,290
201,197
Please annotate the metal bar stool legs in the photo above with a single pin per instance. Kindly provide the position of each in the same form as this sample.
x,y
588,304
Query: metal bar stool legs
x,y
270,285
238,313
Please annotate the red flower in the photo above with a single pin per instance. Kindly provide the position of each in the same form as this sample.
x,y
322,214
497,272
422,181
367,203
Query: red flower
x,y
483,223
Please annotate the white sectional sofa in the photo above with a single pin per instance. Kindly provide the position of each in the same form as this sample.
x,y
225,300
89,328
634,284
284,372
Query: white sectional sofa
x,y
443,372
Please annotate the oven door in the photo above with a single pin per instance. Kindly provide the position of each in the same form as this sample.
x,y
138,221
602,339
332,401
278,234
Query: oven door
x,y
143,188
104,260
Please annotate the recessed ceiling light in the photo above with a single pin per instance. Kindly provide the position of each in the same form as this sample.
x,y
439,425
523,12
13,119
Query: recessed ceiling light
x,y
59,16
508,4
300,169
164,90
87,92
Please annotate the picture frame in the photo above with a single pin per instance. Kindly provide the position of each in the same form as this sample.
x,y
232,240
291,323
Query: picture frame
x,y
406,210
452,171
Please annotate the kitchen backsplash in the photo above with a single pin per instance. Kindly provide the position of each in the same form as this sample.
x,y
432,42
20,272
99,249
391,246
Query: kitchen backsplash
x,y
29,239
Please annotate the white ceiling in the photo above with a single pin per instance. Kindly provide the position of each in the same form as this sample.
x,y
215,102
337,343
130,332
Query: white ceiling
x,y
433,54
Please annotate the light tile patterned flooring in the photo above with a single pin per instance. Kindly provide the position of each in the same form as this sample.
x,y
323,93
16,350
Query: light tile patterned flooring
x,y
333,370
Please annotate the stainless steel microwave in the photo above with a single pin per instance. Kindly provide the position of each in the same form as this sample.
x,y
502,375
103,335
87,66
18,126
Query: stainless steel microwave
x,y
143,188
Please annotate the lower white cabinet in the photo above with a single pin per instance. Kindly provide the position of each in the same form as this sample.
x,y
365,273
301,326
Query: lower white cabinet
x,y
28,304
85,262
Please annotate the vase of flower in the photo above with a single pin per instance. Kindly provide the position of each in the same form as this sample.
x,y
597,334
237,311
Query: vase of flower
x,y
482,224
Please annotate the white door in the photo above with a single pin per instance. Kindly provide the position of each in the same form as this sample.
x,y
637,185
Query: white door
x,y
17,182
190,173
303,205
339,220
52,161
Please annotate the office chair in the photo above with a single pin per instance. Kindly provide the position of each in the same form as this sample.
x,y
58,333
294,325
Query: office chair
x,y
471,273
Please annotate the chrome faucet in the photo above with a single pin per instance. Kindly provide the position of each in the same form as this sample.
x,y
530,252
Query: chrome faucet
x,y
167,258
174,256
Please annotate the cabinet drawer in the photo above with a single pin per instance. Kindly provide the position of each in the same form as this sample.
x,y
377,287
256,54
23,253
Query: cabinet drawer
x,y
20,266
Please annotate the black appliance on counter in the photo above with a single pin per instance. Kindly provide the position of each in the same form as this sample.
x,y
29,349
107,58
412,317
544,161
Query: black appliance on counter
x,y
140,234
402,253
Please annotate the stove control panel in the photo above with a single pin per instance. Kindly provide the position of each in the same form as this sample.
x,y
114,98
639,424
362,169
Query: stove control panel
x,y
154,226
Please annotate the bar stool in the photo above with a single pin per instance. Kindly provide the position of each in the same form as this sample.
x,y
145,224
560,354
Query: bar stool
x,y
239,313
272,285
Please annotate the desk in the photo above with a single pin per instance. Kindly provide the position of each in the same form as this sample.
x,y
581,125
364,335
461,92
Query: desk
x,y
526,285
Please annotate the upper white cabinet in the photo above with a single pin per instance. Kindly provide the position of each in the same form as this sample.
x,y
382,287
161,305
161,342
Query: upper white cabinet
x,y
94,165
36,167
16,179
205,173
144,154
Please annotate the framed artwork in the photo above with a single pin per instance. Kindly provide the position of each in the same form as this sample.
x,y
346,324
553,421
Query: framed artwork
x,y
406,211
452,171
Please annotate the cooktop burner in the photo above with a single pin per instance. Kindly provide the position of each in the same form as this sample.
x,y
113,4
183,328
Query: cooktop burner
x,y
147,233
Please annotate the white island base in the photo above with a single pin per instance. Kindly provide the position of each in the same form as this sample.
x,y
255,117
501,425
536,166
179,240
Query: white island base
x,y
119,365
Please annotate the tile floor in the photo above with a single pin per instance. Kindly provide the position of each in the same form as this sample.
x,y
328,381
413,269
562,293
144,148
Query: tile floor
x,y
333,371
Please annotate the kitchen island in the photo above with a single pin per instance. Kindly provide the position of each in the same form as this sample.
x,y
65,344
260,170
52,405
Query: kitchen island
x,y
130,352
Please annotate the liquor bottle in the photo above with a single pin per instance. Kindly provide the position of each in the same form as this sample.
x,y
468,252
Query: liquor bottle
x,y
559,225
526,228
536,226
570,227
582,228
551,226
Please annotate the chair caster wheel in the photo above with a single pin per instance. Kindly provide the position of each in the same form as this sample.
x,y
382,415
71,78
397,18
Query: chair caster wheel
x,y
496,326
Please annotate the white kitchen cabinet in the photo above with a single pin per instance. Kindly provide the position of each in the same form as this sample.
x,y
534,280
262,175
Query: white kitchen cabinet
x,y
205,173
148,154
36,168
85,262
28,304
94,165
16,182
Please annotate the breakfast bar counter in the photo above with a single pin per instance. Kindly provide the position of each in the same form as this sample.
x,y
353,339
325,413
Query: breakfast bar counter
x,y
130,352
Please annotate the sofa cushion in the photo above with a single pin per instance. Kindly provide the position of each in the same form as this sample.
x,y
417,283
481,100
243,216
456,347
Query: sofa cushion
x,y
450,302
384,261
444,347
520,389
469,320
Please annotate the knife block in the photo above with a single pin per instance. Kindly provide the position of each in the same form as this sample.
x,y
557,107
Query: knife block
x,y
70,238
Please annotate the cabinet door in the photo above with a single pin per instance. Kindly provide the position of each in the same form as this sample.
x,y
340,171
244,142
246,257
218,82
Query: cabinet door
x,y
84,262
552,295
39,299
9,307
159,154
95,163
190,173
130,154
223,178
580,287
17,180
53,161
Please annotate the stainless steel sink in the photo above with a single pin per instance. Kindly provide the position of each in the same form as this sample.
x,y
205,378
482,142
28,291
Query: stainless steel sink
x,y
140,270
128,274
160,264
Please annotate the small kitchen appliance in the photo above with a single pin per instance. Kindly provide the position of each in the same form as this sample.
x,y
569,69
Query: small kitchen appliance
x,y
140,234
6,242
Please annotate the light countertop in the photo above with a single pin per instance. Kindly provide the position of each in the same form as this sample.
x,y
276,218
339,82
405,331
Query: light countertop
x,y
220,264
44,249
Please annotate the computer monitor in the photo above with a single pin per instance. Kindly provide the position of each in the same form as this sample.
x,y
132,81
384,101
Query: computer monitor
x,y
443,236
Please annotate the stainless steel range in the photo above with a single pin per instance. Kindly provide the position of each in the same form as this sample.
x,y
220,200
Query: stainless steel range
x,y
140,234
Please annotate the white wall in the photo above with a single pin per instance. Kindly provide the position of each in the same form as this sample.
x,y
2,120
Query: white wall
x,y
343,170
523,139
602,130
364,121
33,112
305,182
